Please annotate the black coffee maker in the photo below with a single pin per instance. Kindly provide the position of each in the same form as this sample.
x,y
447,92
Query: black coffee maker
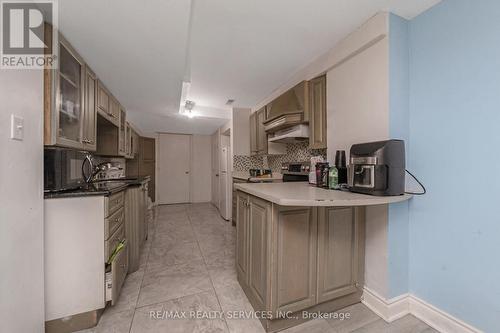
x,y
378,168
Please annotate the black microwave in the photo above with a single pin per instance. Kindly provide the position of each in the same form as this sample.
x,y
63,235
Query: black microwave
x,y
65,169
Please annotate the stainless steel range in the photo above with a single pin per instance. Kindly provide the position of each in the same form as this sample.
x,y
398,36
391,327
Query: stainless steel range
x,y
295,171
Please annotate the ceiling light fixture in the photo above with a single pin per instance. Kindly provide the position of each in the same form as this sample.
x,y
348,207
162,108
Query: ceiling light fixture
x,y
188,108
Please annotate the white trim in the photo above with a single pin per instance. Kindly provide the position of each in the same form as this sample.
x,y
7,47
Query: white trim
x,y
438,319
400,306
389,310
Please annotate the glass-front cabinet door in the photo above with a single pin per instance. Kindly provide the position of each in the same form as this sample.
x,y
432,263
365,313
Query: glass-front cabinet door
x,y
69,101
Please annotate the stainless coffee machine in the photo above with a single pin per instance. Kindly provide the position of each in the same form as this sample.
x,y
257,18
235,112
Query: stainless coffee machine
x,y
378,168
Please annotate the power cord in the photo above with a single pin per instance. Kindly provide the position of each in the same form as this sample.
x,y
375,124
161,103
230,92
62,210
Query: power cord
x,y
419,183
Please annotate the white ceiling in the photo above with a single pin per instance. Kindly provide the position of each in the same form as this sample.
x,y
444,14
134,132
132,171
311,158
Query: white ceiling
x,y
142,50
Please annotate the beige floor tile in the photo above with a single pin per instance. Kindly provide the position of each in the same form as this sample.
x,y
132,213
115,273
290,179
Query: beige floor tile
x,y
222,276
312,326
171,208
173,282
144,322
245,326
407,324
359,316
169,254
169,234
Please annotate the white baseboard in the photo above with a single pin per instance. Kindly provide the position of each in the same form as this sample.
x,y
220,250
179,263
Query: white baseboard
x,y
400,306
389,310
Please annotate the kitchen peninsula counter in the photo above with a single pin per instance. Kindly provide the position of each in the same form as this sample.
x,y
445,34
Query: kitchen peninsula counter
x,y
303,194
300,249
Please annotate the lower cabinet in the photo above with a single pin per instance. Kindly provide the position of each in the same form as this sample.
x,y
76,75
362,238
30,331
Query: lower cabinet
x,y
294,255
290,259
242,251
340,249
259,212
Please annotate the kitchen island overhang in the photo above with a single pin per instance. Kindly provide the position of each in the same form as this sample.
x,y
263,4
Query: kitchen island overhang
x,y
300,250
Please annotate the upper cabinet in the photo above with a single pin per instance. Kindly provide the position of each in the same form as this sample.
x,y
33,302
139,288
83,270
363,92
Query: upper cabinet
x,y
73,97
122,136
258,135
90,111
107,106
317,108
261,133
130,141
63,99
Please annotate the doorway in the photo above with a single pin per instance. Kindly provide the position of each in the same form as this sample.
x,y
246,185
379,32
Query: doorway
x,y
174,167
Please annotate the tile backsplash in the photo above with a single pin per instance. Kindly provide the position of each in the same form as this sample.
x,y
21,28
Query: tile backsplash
x,y
295,152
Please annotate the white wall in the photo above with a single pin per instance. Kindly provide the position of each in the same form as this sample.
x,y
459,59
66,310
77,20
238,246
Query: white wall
x,y
201,161
21,204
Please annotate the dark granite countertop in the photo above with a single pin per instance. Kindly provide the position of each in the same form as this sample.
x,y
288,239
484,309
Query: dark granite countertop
x,y
102,187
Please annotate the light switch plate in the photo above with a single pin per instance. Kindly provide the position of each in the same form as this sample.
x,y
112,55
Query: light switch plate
x,y
16,128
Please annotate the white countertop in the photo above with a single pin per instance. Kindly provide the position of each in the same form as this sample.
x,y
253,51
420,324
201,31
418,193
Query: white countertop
x,y
243,175
303,194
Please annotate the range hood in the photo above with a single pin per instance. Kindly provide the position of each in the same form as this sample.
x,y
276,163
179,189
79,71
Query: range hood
x,y
289,109
297,133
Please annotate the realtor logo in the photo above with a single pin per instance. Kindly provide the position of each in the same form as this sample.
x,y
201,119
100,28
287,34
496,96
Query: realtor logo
x,y
24,42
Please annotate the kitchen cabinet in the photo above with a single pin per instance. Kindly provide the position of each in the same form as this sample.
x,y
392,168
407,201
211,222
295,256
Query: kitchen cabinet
x,y
242,251
259,212
136,223
90,111
294,252
253,134
317,108
79,280
144,163
258,135
64,97
122,134
134,142
129,153
112,140
340,240
298,258
107,106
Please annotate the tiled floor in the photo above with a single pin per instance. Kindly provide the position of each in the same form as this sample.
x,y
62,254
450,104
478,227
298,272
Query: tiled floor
x,y
187,265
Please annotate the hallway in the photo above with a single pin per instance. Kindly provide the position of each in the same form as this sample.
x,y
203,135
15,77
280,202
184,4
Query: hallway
x,y
187,264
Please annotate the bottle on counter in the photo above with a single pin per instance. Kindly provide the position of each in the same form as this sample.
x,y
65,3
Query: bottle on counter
x,y
333,178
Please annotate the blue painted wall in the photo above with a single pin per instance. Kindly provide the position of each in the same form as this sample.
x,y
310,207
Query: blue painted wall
x,y
399,128
455,150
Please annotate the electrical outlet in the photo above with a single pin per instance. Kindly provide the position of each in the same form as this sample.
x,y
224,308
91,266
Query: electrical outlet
x,y
16,128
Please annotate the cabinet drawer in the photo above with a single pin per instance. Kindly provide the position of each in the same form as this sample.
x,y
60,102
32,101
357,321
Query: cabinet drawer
x,y
113,202
112,222
116,276
111,244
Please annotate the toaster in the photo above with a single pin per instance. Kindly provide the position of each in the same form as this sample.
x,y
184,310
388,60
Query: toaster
x,y
377,168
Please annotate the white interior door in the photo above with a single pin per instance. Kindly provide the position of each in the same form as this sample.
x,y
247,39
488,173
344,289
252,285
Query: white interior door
x,y
174,155
215,170
223,206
